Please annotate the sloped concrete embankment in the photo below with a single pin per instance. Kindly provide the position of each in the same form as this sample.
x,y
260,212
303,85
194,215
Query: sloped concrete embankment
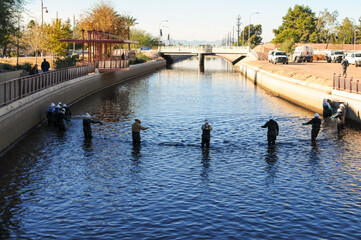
x,y
306,95
21,116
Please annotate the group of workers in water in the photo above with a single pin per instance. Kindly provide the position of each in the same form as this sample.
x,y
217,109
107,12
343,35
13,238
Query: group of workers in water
x,y
60,115
328,112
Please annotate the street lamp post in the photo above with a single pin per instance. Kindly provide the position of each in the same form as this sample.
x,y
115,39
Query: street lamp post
x,y
160,31
249,28
42,20
42,13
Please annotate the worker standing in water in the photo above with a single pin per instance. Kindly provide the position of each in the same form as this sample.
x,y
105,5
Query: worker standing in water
x,y
87,125
316,126
136,127
206,134
273,131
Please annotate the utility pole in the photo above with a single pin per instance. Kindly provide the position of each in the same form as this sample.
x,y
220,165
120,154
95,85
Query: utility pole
x,y
238,24
233,35
73,34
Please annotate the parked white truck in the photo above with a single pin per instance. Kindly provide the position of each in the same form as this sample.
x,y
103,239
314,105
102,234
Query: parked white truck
x,y
354,58
303,54
279,57
334,55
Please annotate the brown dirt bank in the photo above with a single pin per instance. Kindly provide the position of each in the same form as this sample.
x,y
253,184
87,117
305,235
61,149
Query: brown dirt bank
x,y
319,72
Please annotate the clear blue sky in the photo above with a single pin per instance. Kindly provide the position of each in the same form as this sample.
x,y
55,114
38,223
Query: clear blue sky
x,y
196,19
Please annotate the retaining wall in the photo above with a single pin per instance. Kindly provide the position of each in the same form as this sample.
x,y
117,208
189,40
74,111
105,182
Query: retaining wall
x,y
306,95
21,116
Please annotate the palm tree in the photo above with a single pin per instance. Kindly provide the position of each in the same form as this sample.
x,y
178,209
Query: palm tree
x,y
129,22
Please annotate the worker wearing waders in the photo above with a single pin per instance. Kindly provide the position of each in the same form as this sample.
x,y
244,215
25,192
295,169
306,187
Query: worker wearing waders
x,y
59,118
67,112
316,126
50,114
344,64
272,132
327,109
136,127
206,134
340,116
87,125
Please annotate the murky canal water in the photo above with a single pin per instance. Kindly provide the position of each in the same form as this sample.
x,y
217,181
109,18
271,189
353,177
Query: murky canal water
x,y
58,186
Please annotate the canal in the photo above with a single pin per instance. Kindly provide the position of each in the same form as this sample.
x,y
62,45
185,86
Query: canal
x,y
56,185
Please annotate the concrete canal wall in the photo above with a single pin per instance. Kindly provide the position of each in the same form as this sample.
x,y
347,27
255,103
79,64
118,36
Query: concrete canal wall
x,y
306,95
21,116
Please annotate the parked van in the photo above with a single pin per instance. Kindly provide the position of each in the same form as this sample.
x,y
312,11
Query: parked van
x,y
303,54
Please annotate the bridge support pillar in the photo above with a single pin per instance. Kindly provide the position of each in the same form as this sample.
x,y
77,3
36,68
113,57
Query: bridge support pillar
x,y
201,59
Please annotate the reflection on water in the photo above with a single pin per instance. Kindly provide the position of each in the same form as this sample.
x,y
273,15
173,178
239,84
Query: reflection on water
x,y
60,185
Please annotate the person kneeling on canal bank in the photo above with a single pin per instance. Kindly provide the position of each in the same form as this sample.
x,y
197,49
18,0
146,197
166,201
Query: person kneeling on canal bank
x,y
206,134
316,126
136,127
87,125
272,132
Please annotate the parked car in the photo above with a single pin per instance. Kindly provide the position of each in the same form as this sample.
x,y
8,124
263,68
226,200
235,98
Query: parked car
x,y
270,55
354,58
279,57
334,56
303,54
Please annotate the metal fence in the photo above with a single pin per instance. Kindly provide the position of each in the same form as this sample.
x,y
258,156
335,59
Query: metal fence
x,y
18,88
346,84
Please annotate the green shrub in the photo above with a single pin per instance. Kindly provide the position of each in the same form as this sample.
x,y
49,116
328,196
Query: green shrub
x,y
67,61
26,67
140,58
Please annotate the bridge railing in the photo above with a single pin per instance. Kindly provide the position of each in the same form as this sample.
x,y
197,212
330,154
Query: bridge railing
x,y
18,88
346,84
231,49
186,48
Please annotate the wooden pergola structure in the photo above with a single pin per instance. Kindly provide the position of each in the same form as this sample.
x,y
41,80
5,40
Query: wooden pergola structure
x,y
101,52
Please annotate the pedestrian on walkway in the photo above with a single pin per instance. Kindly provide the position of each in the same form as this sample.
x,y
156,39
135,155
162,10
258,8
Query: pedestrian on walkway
x,y
344,64
316,126
206,134
45,65
136,127
273,131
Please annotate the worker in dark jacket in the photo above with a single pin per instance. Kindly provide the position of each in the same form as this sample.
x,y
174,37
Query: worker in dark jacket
x,y
136,127
67,112
206,134
272,132
344,64
87,125
60,119
316,126
50,112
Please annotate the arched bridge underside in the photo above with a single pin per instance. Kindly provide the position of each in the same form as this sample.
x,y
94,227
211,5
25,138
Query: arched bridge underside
x,y
202,51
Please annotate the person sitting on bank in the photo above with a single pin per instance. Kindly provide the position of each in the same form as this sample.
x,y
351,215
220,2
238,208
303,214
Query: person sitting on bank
x,y
34,70
316,126
206,134
87,125
272,132
45,65
136,127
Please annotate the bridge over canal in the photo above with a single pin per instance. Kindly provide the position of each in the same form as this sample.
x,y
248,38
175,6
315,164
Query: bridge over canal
x,y
202,51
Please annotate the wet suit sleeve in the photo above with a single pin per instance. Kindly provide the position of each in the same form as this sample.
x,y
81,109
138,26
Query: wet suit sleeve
x,y
266,125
